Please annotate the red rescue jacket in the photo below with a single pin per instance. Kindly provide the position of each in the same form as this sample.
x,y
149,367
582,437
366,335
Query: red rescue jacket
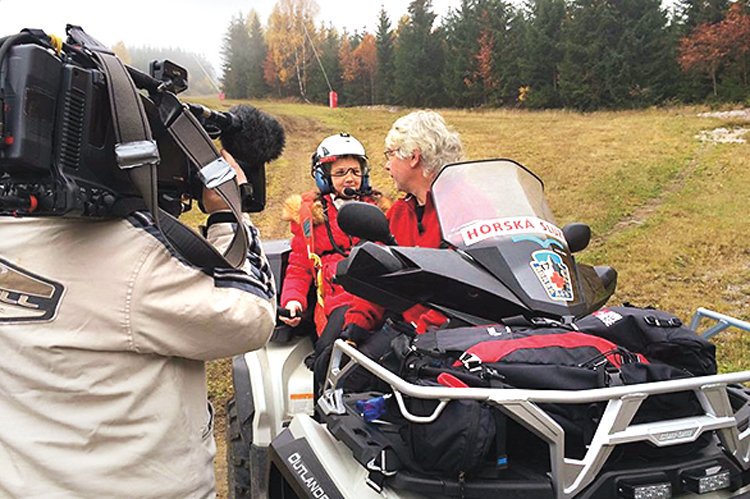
x,y
301,273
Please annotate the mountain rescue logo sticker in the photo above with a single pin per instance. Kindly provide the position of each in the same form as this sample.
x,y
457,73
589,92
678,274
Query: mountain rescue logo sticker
x,y
553,274
27,297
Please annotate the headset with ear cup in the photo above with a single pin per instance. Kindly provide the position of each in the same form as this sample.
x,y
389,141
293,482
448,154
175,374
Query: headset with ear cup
x,y
335,147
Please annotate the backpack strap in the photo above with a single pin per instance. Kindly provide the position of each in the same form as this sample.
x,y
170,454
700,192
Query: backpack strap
x,y
138,155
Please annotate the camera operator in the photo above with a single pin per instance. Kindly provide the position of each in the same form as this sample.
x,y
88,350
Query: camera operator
x,y
104,331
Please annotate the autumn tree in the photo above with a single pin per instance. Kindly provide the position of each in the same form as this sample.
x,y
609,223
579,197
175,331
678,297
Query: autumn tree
x,y
481,54
359,67
709,47
121,51
290,54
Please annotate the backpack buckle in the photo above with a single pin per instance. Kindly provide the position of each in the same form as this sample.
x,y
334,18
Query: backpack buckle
x,y
652,320
471,362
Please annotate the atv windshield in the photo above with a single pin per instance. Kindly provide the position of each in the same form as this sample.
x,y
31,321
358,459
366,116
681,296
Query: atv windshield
x,y
480,202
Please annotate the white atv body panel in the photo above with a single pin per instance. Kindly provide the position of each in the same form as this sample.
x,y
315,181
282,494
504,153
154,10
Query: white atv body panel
x,y
282,386
336,458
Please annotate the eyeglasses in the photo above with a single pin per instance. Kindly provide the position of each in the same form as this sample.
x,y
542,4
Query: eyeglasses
x,y
388,153
344,172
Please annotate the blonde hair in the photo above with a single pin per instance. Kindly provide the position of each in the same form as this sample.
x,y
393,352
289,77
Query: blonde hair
x,y
426,132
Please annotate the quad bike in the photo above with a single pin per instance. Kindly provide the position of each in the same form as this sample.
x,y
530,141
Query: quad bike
x,y
504,257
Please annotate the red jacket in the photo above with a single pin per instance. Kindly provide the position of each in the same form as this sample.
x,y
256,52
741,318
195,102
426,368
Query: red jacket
x,y
408,232
300,272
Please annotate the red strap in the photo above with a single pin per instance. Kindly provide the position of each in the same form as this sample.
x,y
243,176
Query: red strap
x,y
493,351
447,379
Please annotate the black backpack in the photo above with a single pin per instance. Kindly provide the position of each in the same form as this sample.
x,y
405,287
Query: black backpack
x,y
659,335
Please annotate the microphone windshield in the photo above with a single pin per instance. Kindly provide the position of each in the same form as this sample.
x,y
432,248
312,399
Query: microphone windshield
x,y
257,137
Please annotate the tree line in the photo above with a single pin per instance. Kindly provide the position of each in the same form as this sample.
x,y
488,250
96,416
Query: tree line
x,y
581,54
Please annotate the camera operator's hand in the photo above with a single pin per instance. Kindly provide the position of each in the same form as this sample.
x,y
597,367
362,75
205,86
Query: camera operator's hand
x,y
212,202
295,308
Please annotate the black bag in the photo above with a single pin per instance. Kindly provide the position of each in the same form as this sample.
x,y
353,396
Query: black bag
x,y
658,335
466,437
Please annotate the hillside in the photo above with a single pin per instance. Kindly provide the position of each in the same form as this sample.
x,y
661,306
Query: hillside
x,y
667,210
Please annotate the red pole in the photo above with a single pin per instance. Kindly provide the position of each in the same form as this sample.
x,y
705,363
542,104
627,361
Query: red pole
x,y
333,99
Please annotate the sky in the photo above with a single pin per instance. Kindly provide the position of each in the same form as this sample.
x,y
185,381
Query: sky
x,y
193,25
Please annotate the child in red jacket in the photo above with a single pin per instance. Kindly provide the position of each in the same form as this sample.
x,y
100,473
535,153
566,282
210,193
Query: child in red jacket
x,y
341,171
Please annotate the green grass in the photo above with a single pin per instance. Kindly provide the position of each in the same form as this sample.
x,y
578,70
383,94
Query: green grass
x,y
668,212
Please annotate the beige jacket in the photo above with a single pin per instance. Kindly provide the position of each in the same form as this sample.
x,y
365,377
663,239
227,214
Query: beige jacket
x,y
103,338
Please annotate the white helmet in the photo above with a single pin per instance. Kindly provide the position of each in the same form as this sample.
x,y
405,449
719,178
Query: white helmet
x,y
331,149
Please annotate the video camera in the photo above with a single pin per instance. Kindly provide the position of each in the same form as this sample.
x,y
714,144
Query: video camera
x,y
58,140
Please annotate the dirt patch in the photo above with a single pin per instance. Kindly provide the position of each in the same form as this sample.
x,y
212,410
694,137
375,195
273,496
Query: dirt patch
x,y
297,124
723,135
734,114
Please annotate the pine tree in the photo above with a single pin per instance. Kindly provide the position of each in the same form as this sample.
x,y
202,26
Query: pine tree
x,y
540,68
588,73
648,68
256,85
418,58
695,12
509,29
235,54
326,44
384,43
462,34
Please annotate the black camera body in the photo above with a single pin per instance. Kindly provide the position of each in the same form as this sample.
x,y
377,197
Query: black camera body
x,y
57,138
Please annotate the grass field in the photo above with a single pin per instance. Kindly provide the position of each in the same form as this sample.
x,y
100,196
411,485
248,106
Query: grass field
x,y
666,210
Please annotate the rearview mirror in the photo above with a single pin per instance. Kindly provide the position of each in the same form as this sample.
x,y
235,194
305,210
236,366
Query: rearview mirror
x,y
578,236
365,221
